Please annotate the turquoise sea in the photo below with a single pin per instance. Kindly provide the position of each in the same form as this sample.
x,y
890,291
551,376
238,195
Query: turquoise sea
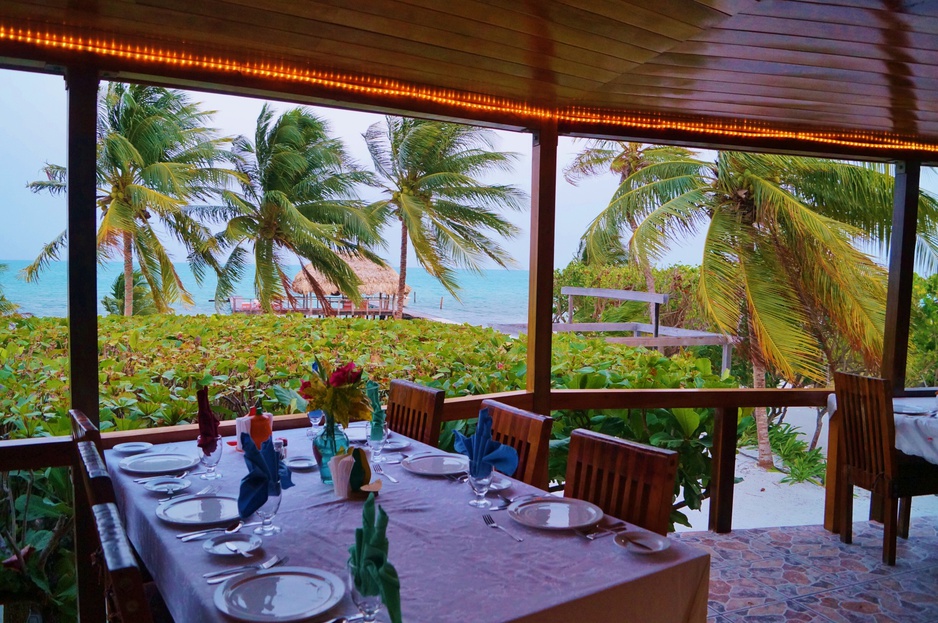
x,y
492,297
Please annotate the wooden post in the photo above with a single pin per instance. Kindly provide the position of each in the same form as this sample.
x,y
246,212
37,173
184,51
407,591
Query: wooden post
x,y
541,269
727,362
657,315
569,309
82,85
723,478
81,188
901,266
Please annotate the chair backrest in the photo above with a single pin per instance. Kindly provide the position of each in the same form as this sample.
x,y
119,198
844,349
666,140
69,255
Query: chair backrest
x,y
416,411
864,406
628,480
125,581
526,432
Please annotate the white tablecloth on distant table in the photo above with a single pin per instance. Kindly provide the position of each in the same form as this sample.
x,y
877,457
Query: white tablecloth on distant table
x,y
916,435
452,566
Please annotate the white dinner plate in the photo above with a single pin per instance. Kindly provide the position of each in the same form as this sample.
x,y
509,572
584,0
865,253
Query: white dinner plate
x,y
199,510
552,513
218,544
436,464
300,463
653,543
396,445
132,447
279,595
167,484
158,463
907,409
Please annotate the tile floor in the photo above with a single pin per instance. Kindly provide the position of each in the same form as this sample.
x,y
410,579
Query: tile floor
x,y
805,574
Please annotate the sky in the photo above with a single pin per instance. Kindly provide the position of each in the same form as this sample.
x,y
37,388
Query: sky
x,y
32,133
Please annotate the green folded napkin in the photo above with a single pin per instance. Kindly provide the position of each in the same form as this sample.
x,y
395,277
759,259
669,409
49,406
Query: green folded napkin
x,y
372,390
368,560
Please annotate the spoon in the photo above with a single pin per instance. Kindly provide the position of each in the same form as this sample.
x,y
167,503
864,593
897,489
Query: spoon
x,y
229,530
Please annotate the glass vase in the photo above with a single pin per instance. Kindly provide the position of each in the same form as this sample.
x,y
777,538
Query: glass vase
x,y
331,441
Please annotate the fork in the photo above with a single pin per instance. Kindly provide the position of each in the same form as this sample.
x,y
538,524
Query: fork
x,y
380,471
220,576
491,524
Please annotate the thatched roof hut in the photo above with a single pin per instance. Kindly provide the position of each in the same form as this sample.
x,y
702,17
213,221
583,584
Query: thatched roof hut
x,y
375,279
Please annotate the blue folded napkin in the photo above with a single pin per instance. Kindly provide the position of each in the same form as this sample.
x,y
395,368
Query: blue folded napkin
x,y
372,390
266,475
484,453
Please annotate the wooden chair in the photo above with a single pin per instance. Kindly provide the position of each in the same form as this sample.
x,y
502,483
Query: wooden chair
x,y
416,411
124,593
628,480
526,432
870,459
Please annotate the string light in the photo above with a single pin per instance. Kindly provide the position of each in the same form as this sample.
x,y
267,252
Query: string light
x,y
387,88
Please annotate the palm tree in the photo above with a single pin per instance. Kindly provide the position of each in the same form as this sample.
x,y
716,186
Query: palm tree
x,y
784,261
143,301
603,238
155,156
429,172
298,196
6,306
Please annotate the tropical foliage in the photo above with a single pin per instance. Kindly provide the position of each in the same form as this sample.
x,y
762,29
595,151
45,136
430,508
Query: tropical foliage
x,y
784,263
298,198
603,238
143,300
156,155
430,174
6,306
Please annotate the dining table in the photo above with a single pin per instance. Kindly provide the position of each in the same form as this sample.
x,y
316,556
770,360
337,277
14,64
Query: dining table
x,y
916,425
452,566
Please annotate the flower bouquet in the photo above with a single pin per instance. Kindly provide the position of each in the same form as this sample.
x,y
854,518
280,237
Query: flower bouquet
x,y
340,395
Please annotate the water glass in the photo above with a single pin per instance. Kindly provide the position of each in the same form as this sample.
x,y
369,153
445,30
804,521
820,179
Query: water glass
x,y
377,440
316,422
267,512
480,486
368,605
210,460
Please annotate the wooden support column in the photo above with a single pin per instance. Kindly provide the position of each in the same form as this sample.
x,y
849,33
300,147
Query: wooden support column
x,y
901,266
723,476
541,271
82,85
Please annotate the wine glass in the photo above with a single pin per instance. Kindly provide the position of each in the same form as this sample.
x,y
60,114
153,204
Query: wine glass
x,y
267,511
210,459
480,486
368,605
377,440
315,422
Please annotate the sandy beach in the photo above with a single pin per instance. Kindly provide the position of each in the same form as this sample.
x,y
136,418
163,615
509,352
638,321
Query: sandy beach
x,y
761,500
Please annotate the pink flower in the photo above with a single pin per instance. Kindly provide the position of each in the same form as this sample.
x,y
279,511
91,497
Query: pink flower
x,y
346,375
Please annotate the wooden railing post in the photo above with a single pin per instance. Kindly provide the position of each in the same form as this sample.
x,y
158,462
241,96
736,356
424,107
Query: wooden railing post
x,y
541,269
723,478
82,84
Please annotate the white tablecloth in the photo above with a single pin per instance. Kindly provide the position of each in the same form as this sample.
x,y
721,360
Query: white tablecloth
x,y
452,566
916,435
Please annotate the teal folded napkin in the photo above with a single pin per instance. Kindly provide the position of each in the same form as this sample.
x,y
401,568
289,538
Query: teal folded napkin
x,y
372,390
368,560
485,453
266,476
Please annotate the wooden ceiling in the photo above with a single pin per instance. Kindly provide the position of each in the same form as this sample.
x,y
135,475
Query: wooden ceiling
x,y
829,76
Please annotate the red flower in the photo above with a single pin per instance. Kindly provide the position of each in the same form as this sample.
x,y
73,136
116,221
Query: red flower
x,y
346,375
304,389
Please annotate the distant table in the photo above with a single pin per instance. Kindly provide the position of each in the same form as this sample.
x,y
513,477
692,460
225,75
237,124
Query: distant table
x,y
916,435
452,566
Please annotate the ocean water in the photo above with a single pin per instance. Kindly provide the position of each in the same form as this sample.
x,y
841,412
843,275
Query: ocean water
x,y
492,297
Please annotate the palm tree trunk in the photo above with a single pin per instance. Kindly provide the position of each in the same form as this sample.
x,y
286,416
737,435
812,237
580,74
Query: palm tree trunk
x,y
402,280
128,275
760,414
320,293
